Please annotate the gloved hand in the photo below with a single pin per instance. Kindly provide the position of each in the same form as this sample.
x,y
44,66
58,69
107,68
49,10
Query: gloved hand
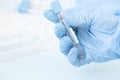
x,y
98,33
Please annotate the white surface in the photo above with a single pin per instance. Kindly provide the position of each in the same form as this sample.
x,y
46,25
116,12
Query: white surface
x,y
52,65
44,64
23,34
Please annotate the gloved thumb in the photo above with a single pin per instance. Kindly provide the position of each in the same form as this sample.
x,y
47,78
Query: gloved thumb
x,y
73,18
50,15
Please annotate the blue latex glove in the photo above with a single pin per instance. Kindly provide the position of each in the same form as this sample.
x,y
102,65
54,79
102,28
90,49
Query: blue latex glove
x,y
98,33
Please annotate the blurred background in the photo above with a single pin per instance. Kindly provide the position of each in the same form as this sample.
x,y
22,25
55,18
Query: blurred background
x,y
29,49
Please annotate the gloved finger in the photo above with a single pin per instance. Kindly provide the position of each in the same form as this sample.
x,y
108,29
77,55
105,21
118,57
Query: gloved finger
x,y
73,17
60,30
50,15
73,57
65,45
76,19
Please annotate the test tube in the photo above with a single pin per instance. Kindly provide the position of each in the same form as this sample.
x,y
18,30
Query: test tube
x,y
59,12
32,6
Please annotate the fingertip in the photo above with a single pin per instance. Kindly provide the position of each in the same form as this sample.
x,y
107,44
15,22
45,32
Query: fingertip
x,y
60,30
65,45
49,14
74,59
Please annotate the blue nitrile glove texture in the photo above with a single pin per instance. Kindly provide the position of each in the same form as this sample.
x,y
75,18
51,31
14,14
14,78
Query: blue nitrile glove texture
x,y
98,33
104,6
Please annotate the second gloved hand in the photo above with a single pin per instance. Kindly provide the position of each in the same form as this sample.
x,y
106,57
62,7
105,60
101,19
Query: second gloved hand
x,y
99,35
